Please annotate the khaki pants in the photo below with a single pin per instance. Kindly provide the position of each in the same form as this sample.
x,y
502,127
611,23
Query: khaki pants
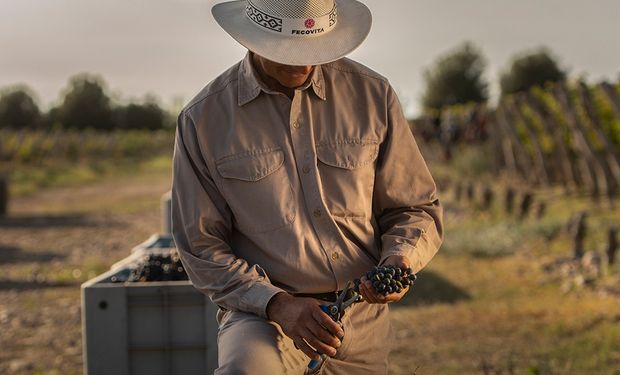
x,y
249,344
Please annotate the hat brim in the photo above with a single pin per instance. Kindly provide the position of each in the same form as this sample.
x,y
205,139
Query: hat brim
x,y
353,26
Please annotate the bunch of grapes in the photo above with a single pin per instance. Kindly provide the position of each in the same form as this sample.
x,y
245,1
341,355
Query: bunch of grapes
x,y
157,267
389,279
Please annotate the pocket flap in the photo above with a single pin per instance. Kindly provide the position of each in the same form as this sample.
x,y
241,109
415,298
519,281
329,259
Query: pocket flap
x,y
251,166
349,154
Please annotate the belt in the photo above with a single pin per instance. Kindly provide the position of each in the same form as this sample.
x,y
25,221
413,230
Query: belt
x,y
329,296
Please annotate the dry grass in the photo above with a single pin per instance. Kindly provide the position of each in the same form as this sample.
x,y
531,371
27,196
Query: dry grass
x,y
511,316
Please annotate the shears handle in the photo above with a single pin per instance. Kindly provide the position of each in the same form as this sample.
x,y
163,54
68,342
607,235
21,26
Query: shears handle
x,y
315,364
325,309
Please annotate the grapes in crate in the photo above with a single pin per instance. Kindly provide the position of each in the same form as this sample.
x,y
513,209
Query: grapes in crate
x,y
158,267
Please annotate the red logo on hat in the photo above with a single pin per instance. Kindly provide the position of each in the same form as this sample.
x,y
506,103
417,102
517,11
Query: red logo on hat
x,y
309,23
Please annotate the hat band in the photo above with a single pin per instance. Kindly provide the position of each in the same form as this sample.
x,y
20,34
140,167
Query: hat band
x,y
297,27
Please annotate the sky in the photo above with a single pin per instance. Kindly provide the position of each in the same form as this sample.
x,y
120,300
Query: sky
x,y
172,48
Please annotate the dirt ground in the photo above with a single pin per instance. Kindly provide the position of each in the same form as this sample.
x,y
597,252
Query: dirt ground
x,y
467,315
49,244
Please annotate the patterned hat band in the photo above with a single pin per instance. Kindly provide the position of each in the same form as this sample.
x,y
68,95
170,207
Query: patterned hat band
x,y
297,27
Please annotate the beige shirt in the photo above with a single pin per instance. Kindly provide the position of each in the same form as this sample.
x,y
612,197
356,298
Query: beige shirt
x,y
272,194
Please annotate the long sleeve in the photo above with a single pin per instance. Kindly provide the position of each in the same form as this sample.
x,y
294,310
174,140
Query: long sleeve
x,y
201,226
405,203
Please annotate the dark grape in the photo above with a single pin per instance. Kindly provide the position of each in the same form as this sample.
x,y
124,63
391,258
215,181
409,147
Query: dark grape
x,y
158,267
389,279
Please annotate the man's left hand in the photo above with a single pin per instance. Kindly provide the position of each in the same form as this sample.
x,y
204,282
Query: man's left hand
x,y
372,296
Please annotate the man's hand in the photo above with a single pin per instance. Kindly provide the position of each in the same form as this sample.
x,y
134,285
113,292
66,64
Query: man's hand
x,y
306,324
372,296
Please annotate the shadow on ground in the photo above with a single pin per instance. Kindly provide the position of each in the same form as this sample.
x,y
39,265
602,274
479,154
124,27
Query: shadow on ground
x,y
48,221
10,254
431,288
22,285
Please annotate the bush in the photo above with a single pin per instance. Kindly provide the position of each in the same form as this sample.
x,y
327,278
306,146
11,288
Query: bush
x,y
148,116
456,78
529,69
85,105
38,146
18,109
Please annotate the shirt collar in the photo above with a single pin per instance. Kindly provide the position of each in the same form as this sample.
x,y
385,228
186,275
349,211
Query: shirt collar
x,y
318,82
250,85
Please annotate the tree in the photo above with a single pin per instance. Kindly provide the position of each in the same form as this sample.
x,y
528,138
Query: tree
x,y
142,116
85,104
18,108
456,78
529,69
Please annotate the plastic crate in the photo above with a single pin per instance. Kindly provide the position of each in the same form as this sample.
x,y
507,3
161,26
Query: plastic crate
x,y
135,328
156,241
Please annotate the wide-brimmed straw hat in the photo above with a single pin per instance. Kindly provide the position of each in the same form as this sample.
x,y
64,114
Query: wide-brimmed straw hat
x,y
296,32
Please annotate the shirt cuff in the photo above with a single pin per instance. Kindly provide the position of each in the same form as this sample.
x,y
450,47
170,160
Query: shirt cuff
x,y
419,254
255,300
400,250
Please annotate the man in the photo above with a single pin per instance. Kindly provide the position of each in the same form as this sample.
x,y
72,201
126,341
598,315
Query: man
x,y
294,172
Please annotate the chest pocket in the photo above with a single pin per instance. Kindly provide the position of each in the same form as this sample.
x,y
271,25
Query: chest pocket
x,y
257,189
347,172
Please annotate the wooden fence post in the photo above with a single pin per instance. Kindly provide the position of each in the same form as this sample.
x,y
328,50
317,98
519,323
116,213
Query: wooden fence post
x,y
526,204
612,163
554,129
4,196
520,154
581,141
487,198
503,145
471,192
538,157
494,134
578,230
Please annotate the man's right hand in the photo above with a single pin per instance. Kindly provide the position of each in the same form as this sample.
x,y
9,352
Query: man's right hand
x,y
305,323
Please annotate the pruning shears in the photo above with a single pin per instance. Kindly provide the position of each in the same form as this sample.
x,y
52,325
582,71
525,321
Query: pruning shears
x,y
348,296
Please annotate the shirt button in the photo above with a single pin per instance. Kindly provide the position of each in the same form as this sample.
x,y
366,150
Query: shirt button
x,y
317,212
305,169
335,256
296,124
